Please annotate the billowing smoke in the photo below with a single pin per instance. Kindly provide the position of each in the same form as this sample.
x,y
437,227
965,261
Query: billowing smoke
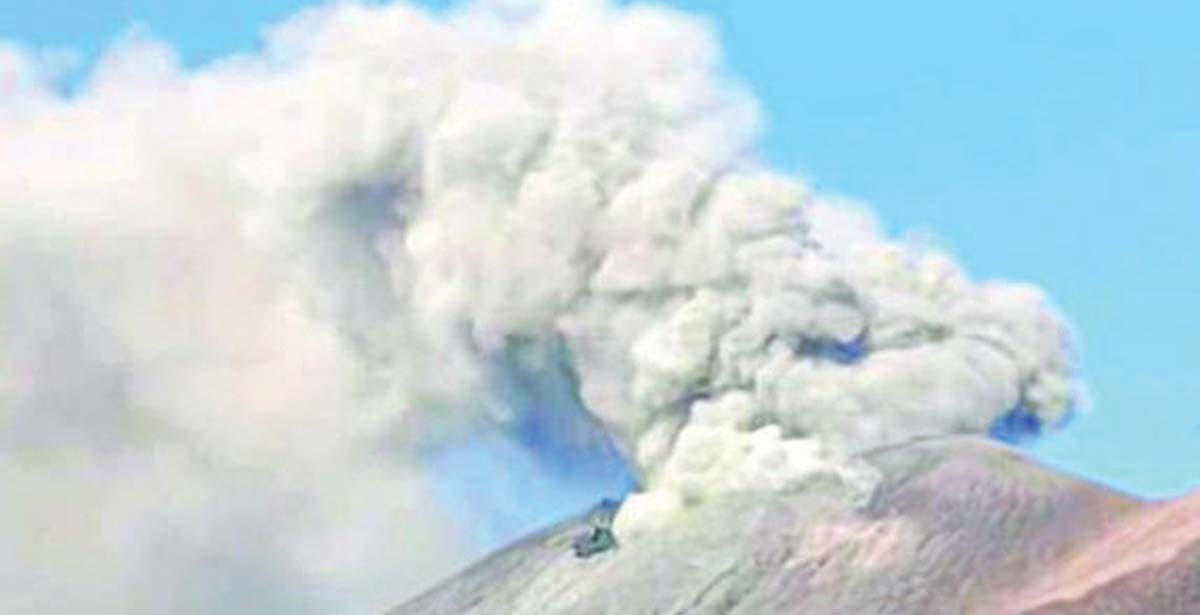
x,y
275,332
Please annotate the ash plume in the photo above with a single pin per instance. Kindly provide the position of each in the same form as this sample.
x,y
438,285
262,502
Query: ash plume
x,y
257,317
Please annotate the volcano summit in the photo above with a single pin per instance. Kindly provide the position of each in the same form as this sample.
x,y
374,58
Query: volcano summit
x,y
958,526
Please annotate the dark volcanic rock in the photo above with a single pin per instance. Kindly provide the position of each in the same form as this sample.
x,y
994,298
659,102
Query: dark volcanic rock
x,y
959,526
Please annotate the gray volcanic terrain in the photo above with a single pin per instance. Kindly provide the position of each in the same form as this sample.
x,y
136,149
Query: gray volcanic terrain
x,y
958,526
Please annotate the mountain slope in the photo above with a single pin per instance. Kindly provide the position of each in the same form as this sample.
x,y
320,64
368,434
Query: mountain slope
x,y
958,526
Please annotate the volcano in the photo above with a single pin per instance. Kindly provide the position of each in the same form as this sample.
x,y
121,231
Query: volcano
x,y
958,526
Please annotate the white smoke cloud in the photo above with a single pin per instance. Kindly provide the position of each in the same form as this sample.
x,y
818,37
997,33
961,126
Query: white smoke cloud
x,y
240,305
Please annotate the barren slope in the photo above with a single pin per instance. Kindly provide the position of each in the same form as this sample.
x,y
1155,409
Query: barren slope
x,y
960,526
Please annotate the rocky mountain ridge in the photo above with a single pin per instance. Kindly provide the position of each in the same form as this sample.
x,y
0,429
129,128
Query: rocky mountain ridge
x,y
959,526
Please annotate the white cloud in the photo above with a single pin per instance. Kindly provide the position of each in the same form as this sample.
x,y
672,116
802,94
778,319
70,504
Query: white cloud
x,y
240,302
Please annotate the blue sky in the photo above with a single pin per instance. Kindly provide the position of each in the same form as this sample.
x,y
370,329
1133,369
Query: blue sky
x,y
1054,142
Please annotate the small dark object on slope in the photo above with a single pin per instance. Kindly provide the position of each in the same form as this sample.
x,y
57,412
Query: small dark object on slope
x,y
599,537
595,541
